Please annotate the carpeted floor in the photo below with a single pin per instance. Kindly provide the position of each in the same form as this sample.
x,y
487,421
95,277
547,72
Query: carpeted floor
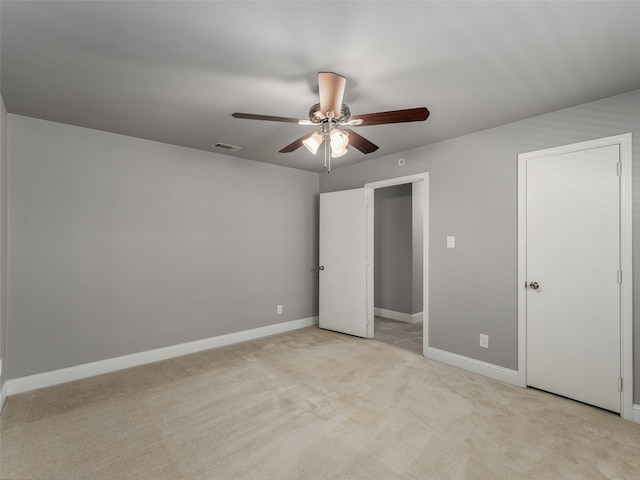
x,y
400,334
308,404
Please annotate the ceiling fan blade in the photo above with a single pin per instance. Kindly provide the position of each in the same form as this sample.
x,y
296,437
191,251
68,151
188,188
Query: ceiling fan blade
x,y
419,114
358,141
296,144
270,118
331,90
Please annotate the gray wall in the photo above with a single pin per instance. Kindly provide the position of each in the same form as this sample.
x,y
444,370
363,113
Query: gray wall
x,y
3,241
473,195
120,245
393,252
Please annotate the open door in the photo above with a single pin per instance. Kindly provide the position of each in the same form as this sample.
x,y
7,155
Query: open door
x,y
343,263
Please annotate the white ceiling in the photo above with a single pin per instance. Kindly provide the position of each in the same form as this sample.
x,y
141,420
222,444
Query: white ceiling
x,y
175,71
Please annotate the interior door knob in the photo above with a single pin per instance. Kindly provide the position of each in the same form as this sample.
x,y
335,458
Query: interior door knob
x,y
534,285
321,267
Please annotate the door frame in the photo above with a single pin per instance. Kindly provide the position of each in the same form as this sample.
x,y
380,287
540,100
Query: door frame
x,y
626,246
371,187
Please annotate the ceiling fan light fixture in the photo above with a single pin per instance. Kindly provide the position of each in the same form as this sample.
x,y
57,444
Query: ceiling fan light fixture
x,y
313,142
333,117
339,139
335,153
339,142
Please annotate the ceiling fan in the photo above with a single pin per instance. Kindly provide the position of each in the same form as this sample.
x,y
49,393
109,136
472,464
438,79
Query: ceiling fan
x,y
331,115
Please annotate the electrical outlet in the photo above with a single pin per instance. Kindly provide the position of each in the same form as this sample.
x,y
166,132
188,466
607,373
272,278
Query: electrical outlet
x,y
279,309
484,340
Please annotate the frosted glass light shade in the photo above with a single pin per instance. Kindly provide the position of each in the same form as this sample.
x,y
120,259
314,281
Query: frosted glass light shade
x,y
339,142
313,142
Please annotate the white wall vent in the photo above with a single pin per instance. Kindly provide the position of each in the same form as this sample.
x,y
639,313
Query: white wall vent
x,y
225,146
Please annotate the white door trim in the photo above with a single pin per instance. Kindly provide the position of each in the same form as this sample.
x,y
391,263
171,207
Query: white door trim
x,y
420,177
626,296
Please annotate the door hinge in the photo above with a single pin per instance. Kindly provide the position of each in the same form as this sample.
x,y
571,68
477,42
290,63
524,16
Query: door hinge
x,y
620,384
619,276
619,168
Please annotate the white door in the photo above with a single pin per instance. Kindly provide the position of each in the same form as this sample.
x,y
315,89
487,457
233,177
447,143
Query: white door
x,y
343,262
572,269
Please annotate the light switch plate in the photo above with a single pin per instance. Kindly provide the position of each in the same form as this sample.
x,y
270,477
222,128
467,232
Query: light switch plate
x,y
451,241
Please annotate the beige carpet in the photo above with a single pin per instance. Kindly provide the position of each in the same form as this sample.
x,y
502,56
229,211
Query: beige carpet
x,y
308,404
400,334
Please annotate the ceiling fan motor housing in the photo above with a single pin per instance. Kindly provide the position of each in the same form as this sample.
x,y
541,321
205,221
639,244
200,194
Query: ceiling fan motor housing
x,y
317,116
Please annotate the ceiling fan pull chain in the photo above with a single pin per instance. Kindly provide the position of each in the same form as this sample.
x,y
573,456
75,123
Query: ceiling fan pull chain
x,y
327,152
327,127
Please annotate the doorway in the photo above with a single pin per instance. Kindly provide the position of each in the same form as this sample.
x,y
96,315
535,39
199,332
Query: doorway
x,y
574,296
346,285
412,293
398,266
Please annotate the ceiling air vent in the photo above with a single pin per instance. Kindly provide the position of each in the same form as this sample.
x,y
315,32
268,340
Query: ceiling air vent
x,y
225,146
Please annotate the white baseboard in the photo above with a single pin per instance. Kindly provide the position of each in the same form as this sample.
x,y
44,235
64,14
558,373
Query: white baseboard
x,y
635,413
471,364
47,379
399,316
